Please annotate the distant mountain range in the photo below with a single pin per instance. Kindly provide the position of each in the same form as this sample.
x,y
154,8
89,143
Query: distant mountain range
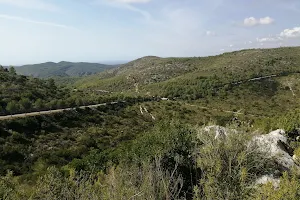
x,y
62,69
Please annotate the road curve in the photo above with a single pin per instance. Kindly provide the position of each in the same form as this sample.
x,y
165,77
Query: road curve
x,y
22,115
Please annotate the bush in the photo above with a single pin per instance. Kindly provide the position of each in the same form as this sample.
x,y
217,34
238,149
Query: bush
x,y
148,181
289,189
8,189
228,166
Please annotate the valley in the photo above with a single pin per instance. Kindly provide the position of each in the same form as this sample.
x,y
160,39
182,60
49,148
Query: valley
x,y
154,128
149,100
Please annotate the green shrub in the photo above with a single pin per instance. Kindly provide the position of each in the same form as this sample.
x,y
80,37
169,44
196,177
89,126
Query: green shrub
x,y
228,166
8,186
289,189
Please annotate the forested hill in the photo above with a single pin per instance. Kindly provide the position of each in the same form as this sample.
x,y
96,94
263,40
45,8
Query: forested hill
x,y
62,69
230,81
201,142
20,93
229,67
23,94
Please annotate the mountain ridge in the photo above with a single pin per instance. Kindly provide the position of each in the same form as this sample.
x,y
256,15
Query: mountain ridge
x,y
62,69
243,64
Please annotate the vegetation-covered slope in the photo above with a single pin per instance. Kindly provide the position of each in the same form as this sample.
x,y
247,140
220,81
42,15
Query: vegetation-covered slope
x,y
107,154
22,94
228,67
230,81
62,69
147,148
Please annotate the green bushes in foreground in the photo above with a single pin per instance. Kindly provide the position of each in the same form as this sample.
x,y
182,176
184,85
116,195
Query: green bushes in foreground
x,y
288,189
148,181
229,168
182,163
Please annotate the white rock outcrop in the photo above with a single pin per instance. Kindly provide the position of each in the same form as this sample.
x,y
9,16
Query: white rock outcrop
x,y
274,145
268,179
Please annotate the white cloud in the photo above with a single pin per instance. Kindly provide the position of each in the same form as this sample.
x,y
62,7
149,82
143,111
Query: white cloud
x,y
210,33
266,21
285,34
31,4
285,38
269,39
26,20
231,45
251,21
291,33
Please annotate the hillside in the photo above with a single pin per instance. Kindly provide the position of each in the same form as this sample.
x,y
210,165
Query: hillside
x,y
20,93
62,69
233,66
222,81
23,94
198,143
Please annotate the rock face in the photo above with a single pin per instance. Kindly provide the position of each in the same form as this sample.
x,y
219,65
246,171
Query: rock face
x,y
275,145
266,179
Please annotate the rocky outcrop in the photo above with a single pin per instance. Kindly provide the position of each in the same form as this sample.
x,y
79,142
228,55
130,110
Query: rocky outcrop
x,y
268,179
275,145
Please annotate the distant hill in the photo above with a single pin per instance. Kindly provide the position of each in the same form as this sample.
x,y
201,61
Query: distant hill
x,y
62,69
20,93
231,81
229,67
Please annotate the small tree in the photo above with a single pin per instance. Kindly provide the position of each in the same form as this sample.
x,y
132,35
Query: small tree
x,y
51,84
12,70
39,104
78,102
25,104
52,104
61,103
12,107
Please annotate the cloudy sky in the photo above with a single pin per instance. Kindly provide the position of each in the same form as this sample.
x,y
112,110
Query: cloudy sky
x,y
33,31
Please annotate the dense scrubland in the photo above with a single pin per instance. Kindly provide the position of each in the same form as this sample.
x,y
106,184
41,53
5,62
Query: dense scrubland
x,y
146,148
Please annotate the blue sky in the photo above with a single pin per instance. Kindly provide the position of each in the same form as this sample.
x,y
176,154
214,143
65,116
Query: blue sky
x,y
34,31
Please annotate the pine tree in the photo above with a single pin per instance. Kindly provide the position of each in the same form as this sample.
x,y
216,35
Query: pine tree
x,y
12,107
12,70
25,104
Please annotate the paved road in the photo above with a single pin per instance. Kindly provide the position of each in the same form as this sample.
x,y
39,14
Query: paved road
x,y
50,111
